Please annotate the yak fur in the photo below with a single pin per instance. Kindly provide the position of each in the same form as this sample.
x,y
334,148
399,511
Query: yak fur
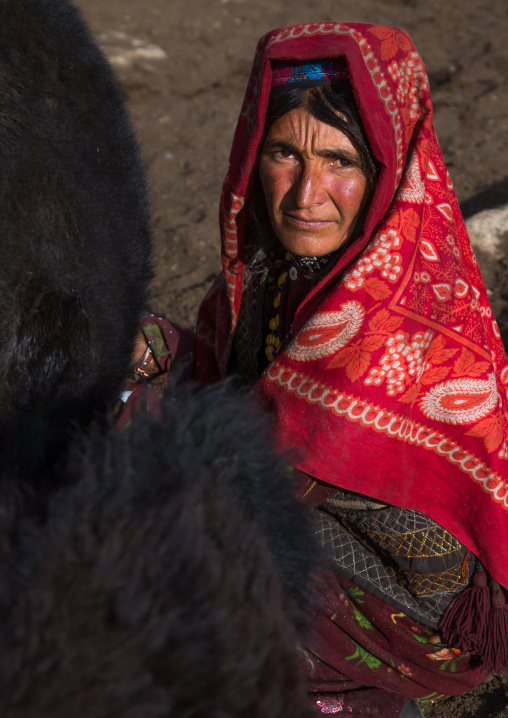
x,y
168,580
166,574
74,231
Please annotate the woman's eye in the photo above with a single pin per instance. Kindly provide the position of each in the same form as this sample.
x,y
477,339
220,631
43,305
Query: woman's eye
x,y
343,162
283,154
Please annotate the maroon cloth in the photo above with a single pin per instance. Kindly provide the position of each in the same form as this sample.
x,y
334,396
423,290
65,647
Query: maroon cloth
x,y
171,343
171,346
359,640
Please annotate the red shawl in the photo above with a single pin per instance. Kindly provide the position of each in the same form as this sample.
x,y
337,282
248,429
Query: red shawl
x,y
395,382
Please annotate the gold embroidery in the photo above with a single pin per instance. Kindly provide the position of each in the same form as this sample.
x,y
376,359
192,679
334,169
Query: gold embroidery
x,y
424,583
425,543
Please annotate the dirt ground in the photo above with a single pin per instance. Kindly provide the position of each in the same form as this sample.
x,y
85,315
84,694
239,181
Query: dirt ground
x,y
184,84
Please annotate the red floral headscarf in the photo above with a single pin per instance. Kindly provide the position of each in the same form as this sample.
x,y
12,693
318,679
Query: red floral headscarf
x,y
395,382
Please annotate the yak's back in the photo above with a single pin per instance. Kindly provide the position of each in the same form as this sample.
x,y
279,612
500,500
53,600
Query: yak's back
x,y
169,579
74,227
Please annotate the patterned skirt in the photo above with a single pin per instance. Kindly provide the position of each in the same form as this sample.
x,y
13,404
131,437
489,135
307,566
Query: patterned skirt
x,y
367,658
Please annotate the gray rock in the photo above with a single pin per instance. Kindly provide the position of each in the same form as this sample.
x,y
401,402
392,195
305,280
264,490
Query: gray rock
x,y
411,710
124,51
488,231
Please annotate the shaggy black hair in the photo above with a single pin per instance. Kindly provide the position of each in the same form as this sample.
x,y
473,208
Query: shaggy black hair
x,y
166,581
74,230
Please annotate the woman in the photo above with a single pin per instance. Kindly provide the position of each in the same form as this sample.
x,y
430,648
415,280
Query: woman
x,y
351,299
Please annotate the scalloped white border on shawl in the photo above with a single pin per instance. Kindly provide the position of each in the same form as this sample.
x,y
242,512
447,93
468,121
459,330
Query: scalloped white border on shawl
x,y
387,422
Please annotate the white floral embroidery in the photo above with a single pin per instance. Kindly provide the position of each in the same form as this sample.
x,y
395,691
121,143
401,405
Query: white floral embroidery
x,y
461,401
327,332
378,257
403,360
411,83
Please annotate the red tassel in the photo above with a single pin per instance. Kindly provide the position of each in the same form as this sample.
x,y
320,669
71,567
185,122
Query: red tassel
x,y
477,621
465,623
496,646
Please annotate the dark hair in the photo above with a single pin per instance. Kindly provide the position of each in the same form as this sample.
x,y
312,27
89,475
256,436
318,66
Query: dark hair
x,y
333,104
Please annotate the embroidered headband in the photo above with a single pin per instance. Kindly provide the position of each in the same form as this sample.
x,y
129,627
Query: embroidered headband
x,y
311,73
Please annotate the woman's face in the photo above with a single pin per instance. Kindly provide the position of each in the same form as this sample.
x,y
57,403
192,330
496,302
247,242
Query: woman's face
x,y
314,188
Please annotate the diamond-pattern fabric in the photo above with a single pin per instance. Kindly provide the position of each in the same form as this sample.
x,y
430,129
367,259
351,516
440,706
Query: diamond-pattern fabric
x,y
377,573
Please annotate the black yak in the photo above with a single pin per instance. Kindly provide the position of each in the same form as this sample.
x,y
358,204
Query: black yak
x,y
165,574
74,231
165,581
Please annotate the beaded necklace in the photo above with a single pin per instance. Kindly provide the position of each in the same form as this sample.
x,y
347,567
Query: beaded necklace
x,y
273,340
314,265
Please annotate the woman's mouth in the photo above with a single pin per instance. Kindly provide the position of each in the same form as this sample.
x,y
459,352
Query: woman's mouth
x,y
309,224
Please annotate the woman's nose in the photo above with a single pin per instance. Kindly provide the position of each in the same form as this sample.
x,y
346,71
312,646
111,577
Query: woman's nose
x,y
309,189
